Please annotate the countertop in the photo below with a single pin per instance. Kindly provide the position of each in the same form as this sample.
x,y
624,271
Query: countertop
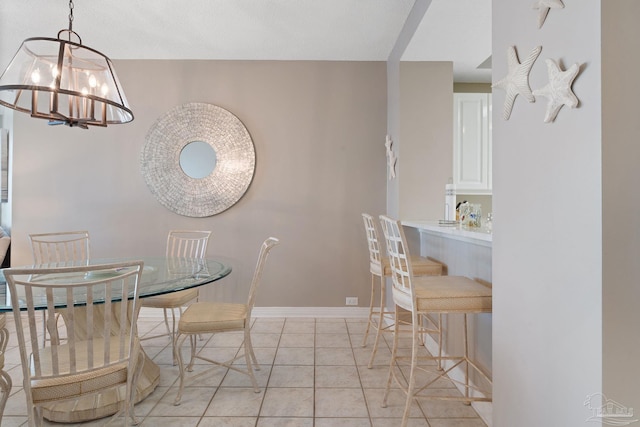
x,y
480,235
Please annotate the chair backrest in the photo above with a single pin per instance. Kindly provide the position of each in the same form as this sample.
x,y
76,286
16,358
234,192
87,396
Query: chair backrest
x,y
60,248
373,242
266,247
99,333
400,263
187,243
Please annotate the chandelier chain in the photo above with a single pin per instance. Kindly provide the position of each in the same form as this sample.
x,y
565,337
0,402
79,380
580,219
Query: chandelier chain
x,y
70,15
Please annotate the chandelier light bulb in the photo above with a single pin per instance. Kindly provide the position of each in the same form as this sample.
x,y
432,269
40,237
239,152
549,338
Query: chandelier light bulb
x,y
35,76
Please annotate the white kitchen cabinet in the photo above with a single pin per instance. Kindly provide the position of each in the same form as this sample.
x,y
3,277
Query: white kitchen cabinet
x,y
472,143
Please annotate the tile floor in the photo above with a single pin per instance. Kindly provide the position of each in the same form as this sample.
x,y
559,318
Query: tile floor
x,y
314,374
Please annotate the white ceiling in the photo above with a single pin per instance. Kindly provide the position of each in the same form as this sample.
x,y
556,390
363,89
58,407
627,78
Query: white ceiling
x,y
357,30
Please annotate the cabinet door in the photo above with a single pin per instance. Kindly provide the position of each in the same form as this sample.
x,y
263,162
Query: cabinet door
x,y
472,143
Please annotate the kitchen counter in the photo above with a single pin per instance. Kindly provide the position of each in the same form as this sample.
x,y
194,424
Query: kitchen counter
x,y
479,236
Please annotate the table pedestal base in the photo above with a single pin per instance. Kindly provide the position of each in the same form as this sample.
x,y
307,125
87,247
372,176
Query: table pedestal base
x,y
103,404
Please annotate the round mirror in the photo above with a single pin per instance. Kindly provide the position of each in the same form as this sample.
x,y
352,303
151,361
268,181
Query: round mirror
x,y
198,159
212,138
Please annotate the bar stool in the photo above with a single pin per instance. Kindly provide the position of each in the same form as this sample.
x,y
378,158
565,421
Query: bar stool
x,y
435,295
5,379
380,268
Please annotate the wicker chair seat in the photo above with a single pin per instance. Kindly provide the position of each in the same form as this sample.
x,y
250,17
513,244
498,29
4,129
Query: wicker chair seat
x,y
211,317
446,294
421,267
171,300
65,385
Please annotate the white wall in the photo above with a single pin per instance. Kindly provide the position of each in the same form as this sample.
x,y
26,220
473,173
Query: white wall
x,y
547,242
318,129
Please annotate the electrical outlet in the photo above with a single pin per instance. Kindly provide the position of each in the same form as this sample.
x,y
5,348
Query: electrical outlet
x,y
352,301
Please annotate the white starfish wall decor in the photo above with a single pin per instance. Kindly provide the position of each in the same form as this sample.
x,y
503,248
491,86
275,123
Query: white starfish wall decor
x,y
558,90
543,7
391,158
517,80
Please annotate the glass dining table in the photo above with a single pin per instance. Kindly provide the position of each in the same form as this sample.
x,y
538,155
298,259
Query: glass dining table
x,y
161,275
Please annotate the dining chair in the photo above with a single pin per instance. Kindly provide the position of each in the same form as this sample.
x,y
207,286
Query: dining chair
x,y
59,249
180,244
99,304
215,317
431,295
5,379
380,270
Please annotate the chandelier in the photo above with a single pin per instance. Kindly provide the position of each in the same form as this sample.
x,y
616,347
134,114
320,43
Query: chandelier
x,y
65,82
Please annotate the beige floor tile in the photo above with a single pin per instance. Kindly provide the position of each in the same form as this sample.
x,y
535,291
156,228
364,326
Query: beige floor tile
x,y
333,340
331,326
312,366
163,355
203,375
376,377
288,402
228,422
222,354
334,356
446,409
297,340
14,421
143,408
238,379
267,325
265,356
284,422
343,422
426,376
340,403
294,356
356,327
291,376
16,404
265,339
168,375
395,404
456,422
195,401
299,326
227,339
337,377
395,422
235,402
357,339
363,355
170,421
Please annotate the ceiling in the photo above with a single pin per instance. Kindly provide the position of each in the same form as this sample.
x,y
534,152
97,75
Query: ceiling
x,y
355,30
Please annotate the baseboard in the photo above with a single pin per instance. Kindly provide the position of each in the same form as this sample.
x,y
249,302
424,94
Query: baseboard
x,y
328,312
349,312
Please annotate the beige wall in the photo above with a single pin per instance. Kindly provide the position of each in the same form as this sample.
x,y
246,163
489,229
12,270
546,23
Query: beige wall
x,y
319,131
425,149
620,201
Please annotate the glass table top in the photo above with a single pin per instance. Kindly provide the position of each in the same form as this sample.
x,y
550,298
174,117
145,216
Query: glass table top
x,y
160,275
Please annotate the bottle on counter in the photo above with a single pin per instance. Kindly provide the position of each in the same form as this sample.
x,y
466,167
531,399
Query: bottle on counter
x,y
450,201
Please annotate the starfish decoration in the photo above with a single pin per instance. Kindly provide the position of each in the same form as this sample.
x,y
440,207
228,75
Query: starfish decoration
x,y
517,80
558,90
543,7
391,158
